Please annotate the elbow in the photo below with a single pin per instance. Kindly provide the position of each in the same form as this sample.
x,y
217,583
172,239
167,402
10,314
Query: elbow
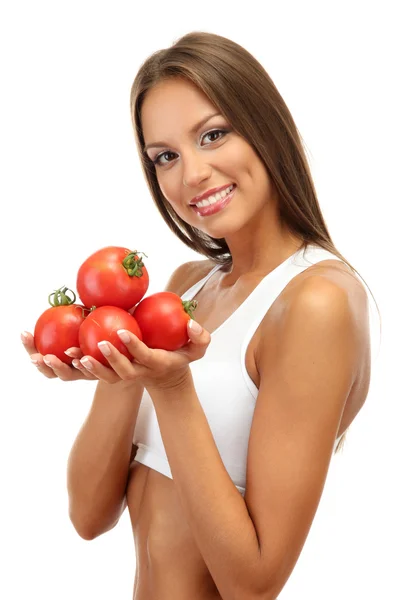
x,y
251,594
85,530
259,587
253,591
85,534
88,529
269,591
268,594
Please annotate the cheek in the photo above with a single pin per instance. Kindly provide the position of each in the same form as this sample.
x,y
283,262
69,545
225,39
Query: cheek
x,y
170,190
258,170
167,187
240,162
234,160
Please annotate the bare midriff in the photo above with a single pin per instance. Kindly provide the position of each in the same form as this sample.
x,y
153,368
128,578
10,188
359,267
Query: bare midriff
x,y
169,565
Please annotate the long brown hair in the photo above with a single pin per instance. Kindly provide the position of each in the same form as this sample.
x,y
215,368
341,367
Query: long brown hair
x,y
238,85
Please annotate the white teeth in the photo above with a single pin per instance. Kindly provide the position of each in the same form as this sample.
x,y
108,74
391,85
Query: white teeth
x,y
213,199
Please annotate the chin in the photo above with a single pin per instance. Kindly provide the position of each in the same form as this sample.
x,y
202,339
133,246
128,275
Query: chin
x,y
221,231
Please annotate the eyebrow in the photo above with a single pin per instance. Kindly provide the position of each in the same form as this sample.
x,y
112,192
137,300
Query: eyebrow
x,y
192,130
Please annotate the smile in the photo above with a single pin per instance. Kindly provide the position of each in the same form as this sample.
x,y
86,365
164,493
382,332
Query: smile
x,y
214,204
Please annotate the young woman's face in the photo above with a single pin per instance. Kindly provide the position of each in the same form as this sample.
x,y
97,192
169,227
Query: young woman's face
x,y
195,150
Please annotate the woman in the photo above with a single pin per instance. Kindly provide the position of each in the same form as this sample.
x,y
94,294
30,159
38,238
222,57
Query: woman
x,y
234,433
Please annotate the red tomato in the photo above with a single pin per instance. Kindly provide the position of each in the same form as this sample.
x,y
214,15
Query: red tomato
x,y
162,318
112,276
103,324
58,327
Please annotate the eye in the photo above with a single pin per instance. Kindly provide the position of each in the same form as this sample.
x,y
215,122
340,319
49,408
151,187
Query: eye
x,y
214,132
157,160
219,133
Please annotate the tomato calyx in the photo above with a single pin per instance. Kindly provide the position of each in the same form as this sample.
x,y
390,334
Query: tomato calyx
x,y
61,298
189,306
88,310
133,264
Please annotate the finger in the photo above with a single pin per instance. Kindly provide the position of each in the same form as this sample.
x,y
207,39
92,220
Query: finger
x,y
61,369
199,340
74,352
28,342
37,361
122,366
29,345
197,333
142,354
94,367
87,373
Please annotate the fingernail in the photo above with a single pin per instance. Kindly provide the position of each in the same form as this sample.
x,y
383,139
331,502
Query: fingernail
x,y
47,362
34,362
24,337
86,363
68,352
104,348
124,336
75,363
195,327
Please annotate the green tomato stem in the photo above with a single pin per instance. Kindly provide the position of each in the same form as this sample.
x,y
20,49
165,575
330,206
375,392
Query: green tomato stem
x,y
133,264
61,298
88,310
189,306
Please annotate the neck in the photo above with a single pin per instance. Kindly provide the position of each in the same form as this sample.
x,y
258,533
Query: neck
x,y
258,261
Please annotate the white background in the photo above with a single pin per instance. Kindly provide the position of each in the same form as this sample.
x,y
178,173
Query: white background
x,y
71,183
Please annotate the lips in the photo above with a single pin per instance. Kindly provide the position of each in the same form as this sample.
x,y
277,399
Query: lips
x,y
209,193
205,211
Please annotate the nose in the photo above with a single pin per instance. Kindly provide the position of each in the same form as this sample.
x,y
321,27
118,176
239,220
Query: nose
x,y
195,170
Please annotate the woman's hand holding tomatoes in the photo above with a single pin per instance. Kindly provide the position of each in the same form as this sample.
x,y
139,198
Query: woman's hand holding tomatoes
x,y
51,366
117,335
57,330
153,368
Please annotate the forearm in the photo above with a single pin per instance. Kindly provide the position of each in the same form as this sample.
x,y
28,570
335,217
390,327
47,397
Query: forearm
x,y
215,510
98,464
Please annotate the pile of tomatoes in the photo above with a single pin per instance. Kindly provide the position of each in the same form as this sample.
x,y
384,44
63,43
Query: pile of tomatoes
x,y
111,285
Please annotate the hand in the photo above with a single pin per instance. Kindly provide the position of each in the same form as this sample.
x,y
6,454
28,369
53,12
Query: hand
x,y
153,368
52,367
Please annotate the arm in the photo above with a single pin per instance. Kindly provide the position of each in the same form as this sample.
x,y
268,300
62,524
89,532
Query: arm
x,y
99,461
251,544
98,464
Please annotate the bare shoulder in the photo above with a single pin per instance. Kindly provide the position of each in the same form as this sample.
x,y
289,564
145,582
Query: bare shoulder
x,y
331,287
333,280
324,280
332,270
320,299
187,274
330,290
338,294
329,282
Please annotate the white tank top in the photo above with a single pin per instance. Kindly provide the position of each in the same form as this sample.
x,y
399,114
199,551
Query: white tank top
x,y
224,388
